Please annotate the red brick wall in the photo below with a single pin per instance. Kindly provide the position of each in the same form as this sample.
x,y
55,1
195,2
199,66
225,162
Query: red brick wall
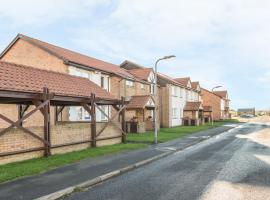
x,y
210,99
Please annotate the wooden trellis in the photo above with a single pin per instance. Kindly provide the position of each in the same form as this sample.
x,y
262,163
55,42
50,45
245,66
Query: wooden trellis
x,y
43,102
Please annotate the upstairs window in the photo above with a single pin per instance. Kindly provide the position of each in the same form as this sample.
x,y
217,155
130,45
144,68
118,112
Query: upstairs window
x,y
181,92
142,86
129,83
174,91
102,84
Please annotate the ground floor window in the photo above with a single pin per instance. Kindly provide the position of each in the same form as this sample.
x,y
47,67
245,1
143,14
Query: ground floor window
x,y
174,112
77,113
104,109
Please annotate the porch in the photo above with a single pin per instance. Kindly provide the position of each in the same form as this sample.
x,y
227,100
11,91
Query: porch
x,y
140,114
193,114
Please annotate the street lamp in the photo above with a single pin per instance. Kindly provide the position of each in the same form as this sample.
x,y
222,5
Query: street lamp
x,y
219,86
155,94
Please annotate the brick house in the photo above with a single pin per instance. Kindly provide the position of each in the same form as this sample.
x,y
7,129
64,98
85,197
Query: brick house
x,y
36,53
218,101
172,101
225,104
142,104
193,110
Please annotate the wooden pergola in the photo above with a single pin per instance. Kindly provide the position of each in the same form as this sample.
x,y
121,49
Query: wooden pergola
x,y
43,102
27,86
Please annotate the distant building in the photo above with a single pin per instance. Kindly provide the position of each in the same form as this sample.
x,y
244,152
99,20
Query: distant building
x,y
244,111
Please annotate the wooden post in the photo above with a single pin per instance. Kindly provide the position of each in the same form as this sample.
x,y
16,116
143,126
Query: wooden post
x,y
93,121
55,115
124,138
21,111
47,129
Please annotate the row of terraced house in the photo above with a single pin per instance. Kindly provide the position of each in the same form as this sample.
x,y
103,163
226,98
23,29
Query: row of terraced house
x,y
181,101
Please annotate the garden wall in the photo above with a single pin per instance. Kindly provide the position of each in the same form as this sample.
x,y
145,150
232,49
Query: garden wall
x,y
62,133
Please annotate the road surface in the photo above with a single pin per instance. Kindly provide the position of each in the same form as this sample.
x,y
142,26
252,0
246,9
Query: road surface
x,y
233,165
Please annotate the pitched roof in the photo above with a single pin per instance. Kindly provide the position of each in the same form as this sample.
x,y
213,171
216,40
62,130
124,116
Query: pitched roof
x,y
222,94
207,108
73,57
139,101
141,73
21,78
193,106
183,81
210,92
127,64
195,85
169,79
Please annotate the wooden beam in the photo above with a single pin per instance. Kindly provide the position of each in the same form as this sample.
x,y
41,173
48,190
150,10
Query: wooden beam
x,y
102,111
17,123
93,121
124,138
57,112
21,110
22,128
111,120
47,125
37,103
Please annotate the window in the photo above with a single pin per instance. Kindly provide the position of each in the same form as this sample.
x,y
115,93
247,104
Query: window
x,y
181,92
174,91
103,117
142,86
129,83
174,112
102,82
86,115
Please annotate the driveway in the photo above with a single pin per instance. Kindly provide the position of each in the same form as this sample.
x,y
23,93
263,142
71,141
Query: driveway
x,y
233,165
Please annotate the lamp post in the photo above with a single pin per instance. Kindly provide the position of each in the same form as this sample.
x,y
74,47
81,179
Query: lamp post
x,y
219,86
156,97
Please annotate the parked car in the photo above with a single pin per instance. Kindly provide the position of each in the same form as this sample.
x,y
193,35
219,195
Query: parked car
x,y
247,116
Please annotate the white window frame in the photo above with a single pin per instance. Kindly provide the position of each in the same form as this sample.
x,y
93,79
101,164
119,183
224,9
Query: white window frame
x,y
129,83
174,91
102,82
103,117
174,113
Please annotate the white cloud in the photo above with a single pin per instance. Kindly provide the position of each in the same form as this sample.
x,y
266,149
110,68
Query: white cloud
x,y
216,42
40,13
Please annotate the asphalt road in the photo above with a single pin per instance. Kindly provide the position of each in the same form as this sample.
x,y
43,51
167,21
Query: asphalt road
x,y
233,165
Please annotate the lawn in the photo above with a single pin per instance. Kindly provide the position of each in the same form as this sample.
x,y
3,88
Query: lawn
x,y
38,165
166,134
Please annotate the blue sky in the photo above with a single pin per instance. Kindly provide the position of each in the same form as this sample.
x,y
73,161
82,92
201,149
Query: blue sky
x,y
225,42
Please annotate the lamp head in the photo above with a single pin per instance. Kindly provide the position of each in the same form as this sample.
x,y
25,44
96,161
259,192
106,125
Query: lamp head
x,y
168,57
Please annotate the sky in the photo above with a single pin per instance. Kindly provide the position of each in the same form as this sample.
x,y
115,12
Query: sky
x,y
224,42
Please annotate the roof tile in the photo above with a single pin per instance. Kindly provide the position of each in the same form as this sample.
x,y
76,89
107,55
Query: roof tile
x,y
71,56
192,106
14,77
139,101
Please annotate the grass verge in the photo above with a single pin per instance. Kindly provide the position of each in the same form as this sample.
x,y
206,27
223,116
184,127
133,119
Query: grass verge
x,y
34,166
166,134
